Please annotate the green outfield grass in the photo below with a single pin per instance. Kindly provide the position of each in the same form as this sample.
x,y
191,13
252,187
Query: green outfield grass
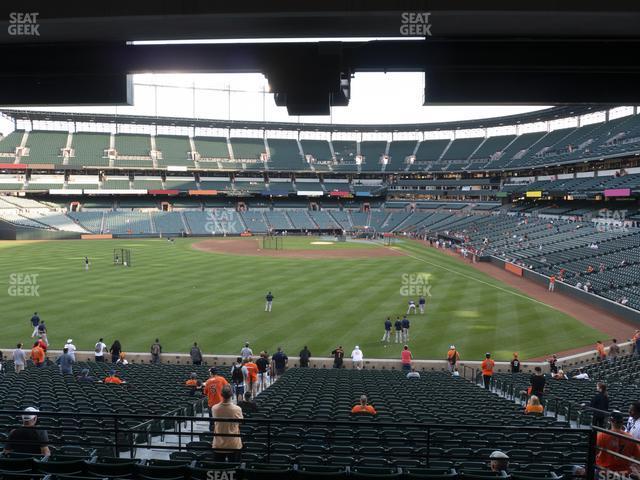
x,y
183,295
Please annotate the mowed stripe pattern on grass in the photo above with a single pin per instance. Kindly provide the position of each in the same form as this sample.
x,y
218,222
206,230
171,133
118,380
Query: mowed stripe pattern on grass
x,y
181,295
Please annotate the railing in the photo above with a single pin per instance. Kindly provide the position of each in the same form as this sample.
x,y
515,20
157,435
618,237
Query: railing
x,y
118,437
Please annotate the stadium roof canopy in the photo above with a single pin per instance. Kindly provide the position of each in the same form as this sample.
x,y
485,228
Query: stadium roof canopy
x,y
548,114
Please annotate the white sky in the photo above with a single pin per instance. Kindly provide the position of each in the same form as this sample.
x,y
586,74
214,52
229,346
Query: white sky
x,y
376,98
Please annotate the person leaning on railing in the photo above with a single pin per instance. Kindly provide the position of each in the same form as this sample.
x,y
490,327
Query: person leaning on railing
x,y
622,443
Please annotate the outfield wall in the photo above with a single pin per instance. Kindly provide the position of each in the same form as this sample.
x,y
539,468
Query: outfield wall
x,y
9,231
585,297
467,368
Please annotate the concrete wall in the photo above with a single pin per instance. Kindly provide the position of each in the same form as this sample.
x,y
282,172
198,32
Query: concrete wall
x,y
466,368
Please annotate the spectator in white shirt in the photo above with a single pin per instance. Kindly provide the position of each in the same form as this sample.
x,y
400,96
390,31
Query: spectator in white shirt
x,y
356,357
71,348
581,375
633,424
19,358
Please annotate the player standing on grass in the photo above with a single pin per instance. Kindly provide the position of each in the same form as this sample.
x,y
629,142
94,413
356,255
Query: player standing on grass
x,y
35,321
269,301
398,326
387,331
421,303
405,329
86,263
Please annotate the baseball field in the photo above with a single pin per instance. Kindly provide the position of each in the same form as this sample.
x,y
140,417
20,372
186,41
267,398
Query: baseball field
x,y
326,293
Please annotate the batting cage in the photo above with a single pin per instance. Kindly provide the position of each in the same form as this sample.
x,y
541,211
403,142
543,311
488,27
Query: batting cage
x,y
365,232
389,239
122,257
272,242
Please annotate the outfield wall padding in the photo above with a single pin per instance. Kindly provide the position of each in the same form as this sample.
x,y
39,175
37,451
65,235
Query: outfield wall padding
x,y
9,231
96,236
586,297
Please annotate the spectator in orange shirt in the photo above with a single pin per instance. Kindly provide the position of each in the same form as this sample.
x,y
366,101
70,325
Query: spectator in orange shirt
x,y
193,384
487,370
37,355
212,388
113,378
622,446
252,375
534,406
364,407
406,357
602,354
452,358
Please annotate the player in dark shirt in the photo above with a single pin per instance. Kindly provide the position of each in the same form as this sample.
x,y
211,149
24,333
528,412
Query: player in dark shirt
x,y
398,327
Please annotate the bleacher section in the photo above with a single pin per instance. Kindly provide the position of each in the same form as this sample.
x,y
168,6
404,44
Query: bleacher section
x,y
90,149
45,147
174,150
371,153
8,145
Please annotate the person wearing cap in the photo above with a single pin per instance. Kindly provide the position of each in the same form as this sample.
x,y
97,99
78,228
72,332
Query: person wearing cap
x,y
363,407
193,384
212,388
246,351
338,356
487,370
85,377
71,348
452,358
35,321
621,444
113,378
356,358
499,461
515,363
28,439
65,362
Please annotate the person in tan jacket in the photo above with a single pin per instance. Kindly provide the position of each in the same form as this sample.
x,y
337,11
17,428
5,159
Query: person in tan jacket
x,y
227,448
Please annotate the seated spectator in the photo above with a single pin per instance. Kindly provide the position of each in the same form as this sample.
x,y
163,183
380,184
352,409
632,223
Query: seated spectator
x,y
85,377
413,374
622,446
534,406
560,375
193,384
247,404
581,375
28,439
227,444
499,461
122,359
113,378
364,407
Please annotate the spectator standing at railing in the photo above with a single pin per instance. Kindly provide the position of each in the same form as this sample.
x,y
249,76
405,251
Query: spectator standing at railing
x,y
621,446
614,351
515,363
452,358
156,351
600,401
196,354
553,364
37,355
19,358
600,351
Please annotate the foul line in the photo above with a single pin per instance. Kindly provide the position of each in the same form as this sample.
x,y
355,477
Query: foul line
x,y
455,272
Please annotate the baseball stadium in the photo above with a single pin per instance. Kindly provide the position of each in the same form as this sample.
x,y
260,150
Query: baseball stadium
x,y
241,294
